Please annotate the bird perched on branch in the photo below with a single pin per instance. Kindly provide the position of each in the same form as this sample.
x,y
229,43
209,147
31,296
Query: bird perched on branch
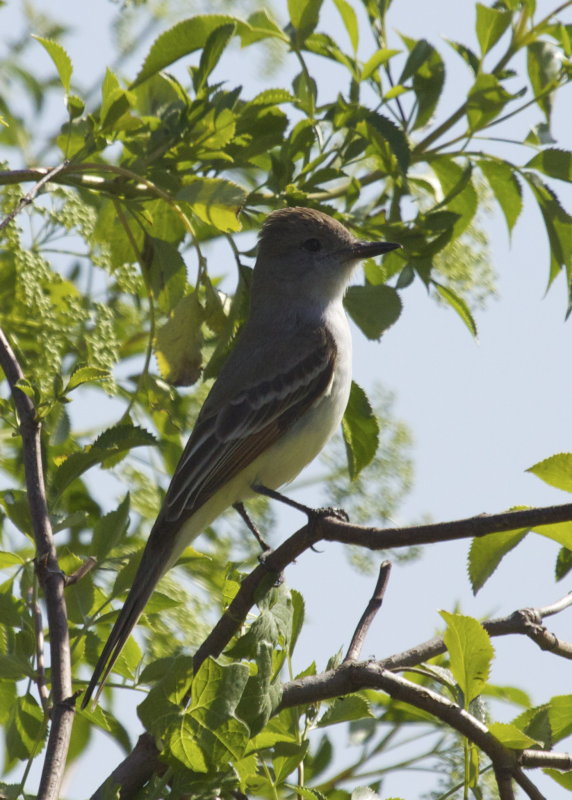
x,y
279,397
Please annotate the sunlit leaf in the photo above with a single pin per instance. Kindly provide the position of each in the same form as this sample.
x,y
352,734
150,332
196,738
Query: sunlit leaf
x,y
470,653
61,59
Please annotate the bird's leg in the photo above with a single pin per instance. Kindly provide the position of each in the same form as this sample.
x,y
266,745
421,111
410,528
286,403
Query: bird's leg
x,y
251,525
311,513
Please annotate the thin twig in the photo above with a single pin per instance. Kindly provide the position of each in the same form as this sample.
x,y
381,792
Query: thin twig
x,y
370,612
31,196
83,569
50,577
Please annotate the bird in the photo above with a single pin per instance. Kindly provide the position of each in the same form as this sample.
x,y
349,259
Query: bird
x,y
278,398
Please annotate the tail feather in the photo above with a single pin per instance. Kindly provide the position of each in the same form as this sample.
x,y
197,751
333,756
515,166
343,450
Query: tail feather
x,y
148,574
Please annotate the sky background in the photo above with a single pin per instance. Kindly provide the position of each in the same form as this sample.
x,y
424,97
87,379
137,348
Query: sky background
x,y
481,412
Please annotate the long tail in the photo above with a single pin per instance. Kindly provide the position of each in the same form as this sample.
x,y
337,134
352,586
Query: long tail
x,y
153,565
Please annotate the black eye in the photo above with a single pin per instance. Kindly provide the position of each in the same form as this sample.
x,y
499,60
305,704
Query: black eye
x,y
313,245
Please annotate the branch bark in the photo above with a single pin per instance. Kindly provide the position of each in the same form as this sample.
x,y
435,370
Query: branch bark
x,y
51,580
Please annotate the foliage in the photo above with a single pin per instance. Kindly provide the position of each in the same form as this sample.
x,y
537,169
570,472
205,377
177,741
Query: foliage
x,y
110,299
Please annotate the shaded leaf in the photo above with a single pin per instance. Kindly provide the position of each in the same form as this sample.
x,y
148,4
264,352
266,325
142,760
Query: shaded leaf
x,y
216,201
304,15
485,100
505,187
553,162
179,342
346,709
111,445
544,64
373,308
212,51
427,70
360,430
558,224
458,304
394,137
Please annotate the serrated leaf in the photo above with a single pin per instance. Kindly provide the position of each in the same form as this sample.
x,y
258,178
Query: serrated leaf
x,y
563,563
216,201
460,194
360,430
394,137
554,163
509,735
182,39
470,653
83,375
60,58
505,187
558,224
166,272
373,308
212,51
466,54
457,304
26,729
487,552
490,26
208,735
112,444
179,342
271,97
346,709
427,70
560,716
555,471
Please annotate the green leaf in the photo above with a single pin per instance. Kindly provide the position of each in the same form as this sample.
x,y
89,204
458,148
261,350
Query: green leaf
x,y
505,187
62,61
286,758
460,194
379,58
166,272
110,529
490,26
360,430
350,20
425,66
346,709
560,716
470,653
212,51
487,552
563,563
553,162
82,375
558,224
260,26
394,137
457,304
216,201
26,730
179,343
563,779
509,735
209,735
111,445
544,64
373,308
466,54
304,15
182,39
486,99
555,471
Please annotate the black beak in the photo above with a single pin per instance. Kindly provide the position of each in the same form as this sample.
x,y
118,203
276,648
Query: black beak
x,y
371,249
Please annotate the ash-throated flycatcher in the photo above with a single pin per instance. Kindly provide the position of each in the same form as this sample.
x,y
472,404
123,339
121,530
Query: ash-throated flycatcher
x,y
279,397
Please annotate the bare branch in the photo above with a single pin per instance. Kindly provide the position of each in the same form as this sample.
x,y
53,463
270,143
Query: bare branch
x,y
83,569
51,580
369,614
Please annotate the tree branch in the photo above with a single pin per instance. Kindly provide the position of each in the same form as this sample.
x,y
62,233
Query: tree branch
x,y
50,577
